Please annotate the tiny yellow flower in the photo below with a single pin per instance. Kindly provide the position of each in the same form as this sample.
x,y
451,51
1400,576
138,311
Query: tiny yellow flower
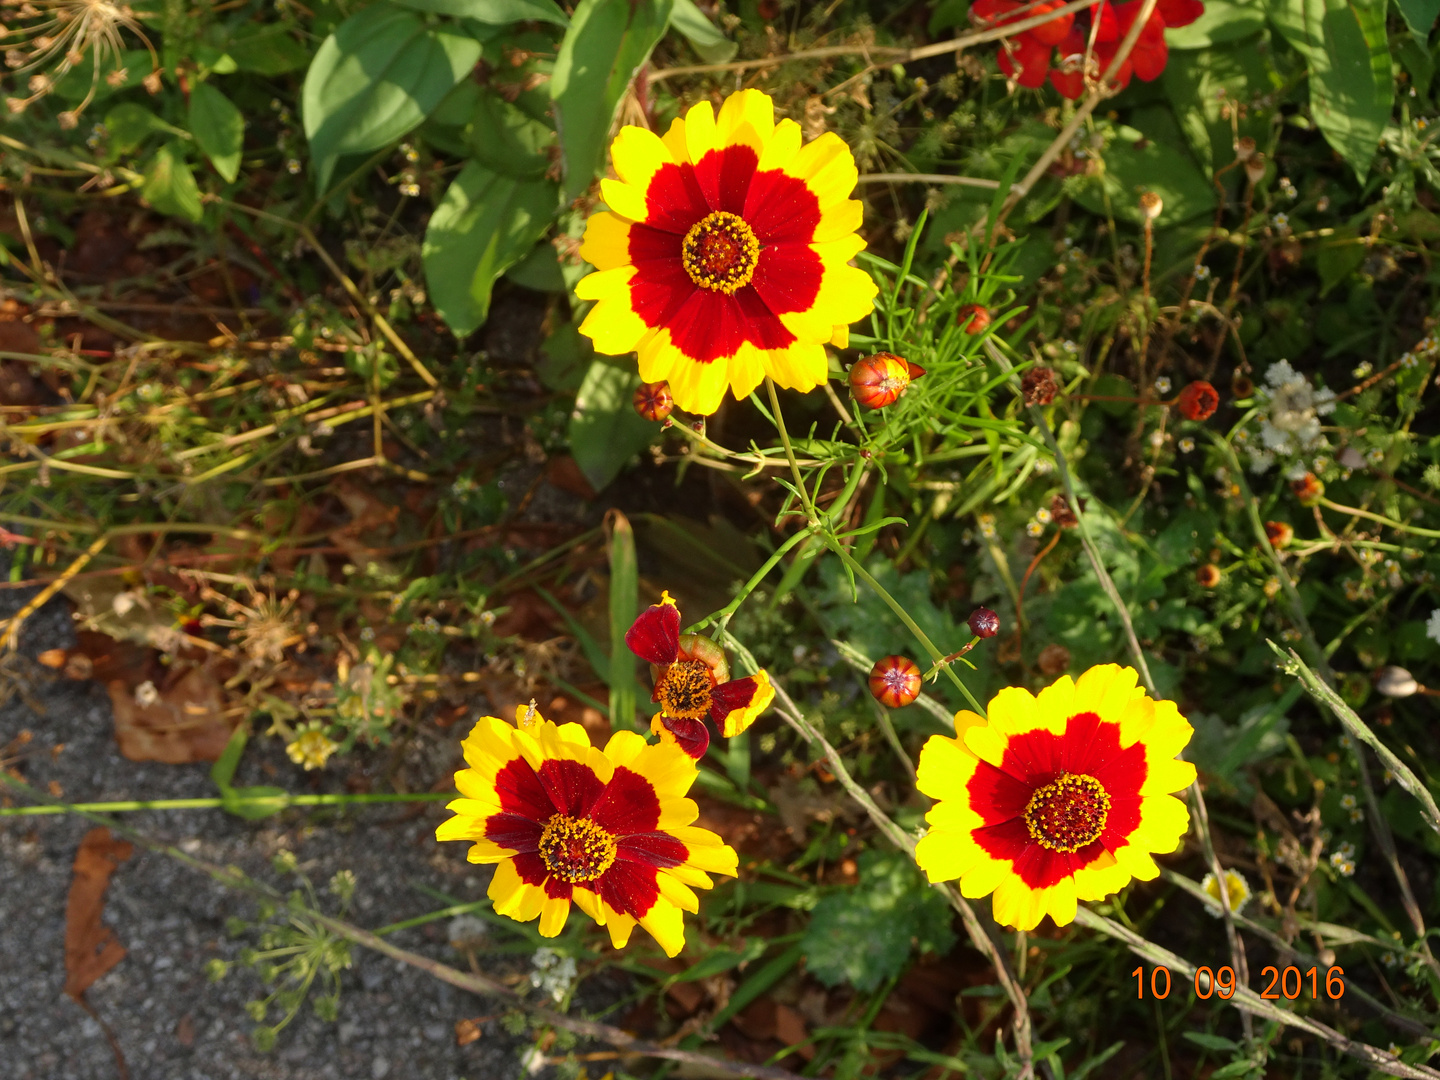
x,y
311,747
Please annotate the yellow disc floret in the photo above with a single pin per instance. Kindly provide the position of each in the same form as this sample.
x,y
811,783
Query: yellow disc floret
x,y
1069,813
576,849
720,252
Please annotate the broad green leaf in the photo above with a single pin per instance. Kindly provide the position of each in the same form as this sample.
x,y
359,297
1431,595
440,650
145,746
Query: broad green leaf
x,y
1223,20
539,270
605,431
624,606
266,50
374,79
506,140
606,44
484,224
81,82
1151,157
1339,256
948,14
712,45
170,185
493,12
1419,16
129,124
1201,84
1351,89
862,935
218,127
224,768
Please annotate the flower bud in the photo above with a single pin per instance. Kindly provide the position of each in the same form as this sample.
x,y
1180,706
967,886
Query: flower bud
x,y
653,400
879,380
1279,533
1039,386
1198,401
895,681
1395,682
1208,576
983,622
1308,489
973,319
1241,386
1054,659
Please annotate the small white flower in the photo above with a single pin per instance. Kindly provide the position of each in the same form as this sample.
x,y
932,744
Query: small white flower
x,y
1432,626
146,694
410,190
1034,528
1281,222
1362,369
1043,516
1186,444
1202,272
1162,385
293,166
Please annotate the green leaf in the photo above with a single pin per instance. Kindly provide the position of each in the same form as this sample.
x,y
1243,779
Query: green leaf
x,y
493,12
170,185
712,45
605,430
539,270
224,767
218,128
1351,89
129,124
948,14
624,606
1419,16
1212,1042
606,44
863,935
266,50
375,78
1222,20
484,224
1339,257
1150,157
1201,85
254,803
506,140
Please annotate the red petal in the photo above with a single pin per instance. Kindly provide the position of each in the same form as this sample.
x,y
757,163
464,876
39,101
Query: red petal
x,y
1034,60
658,849
572,787
558,888
674,201
787,278
1109,22
1179,12
514,831
1151,52
629,805
1122,819
732,695
1038,866
997,796
520,791
692,735
628,887
531,868
781,208
1054,31
655,635
1070,84
724,176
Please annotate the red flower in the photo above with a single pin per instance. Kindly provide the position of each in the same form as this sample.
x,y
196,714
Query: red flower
x,y
1198,401
693,679
1147,59
1025,57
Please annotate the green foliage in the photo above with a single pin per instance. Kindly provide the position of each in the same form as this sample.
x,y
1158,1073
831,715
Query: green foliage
x,y
170,184
605,431
864,935
218,128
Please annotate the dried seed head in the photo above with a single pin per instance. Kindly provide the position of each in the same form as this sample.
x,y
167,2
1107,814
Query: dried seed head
x,y
1061,513
1208,576
1241,386
1054,659
69,120
1151,205
1255,167
1244,148
1039,386
1396,682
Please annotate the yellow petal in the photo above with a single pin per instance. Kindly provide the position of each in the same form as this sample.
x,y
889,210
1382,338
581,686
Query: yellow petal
x,y
802,366
827,167
784,144
700,134
841,338
625,200
1167,775
945,767
665,924
677,892
748,118
982,878
606,284
553,916
1017,904
512,896
948,854
607,241
739,720
638,155
674,141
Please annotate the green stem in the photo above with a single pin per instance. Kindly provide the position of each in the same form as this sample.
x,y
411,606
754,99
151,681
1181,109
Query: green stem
x,y
1398,526
802,493
723,615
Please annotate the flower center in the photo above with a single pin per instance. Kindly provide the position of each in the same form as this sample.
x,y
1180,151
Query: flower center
x,y
576,849
684,689
720,252
1069,813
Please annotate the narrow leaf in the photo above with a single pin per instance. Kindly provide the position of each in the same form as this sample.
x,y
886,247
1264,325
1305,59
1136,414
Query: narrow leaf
x,y
712,45
624,606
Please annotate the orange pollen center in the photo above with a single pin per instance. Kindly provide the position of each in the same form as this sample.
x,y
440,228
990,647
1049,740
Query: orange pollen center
x,y
1069,813
720,252
684,690
576,849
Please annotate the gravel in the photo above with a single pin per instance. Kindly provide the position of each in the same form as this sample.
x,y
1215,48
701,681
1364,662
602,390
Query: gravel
x,y
170,1022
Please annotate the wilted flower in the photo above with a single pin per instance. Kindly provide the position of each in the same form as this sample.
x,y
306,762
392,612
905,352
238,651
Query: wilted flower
x,y
1308,489
1236,888
1039,386
1279,533
1208,576
1198,401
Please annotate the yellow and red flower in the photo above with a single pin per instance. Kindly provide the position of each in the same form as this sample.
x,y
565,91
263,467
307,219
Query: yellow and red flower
x,y
565,822
723,256
692,680
1055,798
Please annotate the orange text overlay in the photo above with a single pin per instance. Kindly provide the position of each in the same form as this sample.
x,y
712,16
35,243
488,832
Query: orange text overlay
x,y
1289,983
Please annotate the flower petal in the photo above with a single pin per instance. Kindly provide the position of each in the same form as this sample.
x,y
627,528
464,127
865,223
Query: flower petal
x,y
607,241
655,634
638,154
735,704
691,736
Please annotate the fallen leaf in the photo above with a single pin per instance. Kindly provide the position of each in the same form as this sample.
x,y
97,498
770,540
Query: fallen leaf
x,y
186,722
466,1032
91,948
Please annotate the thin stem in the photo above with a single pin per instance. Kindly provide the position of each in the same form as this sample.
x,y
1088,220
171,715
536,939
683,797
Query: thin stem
x,y
278,802
801,491
1398,526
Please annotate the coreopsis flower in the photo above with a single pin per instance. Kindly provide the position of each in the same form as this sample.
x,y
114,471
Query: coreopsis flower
x,y
724,254
1055,798
566,822
1198,401
692,681
1279,533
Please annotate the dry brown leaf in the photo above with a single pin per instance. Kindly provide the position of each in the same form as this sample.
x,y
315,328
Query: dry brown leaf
x,y
91,948
184,722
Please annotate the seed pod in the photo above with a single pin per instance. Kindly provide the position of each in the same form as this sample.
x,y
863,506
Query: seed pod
x,y
1308,489
1054,659
1396,682
1255,167
879,380
983,622
895,681
1241,386
1208,576
1279,533
1245,148
653,400
1151,205
1198,401
973,319
1039,386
